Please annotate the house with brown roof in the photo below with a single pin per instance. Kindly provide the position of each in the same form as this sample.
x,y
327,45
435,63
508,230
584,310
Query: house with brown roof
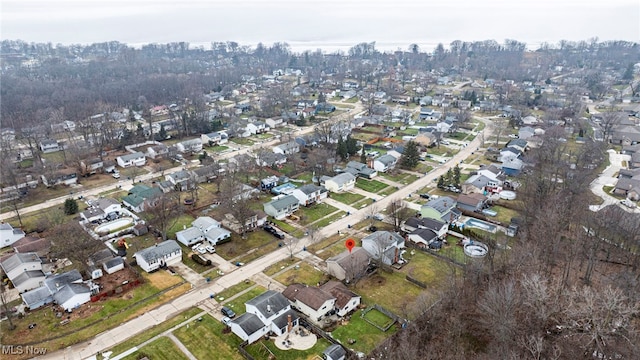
x,y
349,266
312,301
346,300
28,244
473,202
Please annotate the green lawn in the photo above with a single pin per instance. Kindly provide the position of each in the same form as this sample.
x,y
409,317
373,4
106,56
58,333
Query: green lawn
x,y
237,304
205,340
378,318
372,186
400,177
376,290
314,212
178,225
242,141
426,268
305,176
258,352
162,349
504,215
216,149
332,250
367,336
239,246
154,331
283,226
347,197
388,191
279,266
329,219
305,274
235,289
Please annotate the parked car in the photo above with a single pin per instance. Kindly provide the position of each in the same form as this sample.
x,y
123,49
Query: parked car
x,y
226,320
116,175
425,196
378,217
228,312
210,249
273,231
201,250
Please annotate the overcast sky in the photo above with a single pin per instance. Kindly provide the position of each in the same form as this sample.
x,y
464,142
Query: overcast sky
x,y
319,23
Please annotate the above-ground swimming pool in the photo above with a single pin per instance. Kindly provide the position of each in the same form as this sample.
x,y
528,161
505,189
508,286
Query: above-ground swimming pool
x,y
482,225
475,249
507,195
113,225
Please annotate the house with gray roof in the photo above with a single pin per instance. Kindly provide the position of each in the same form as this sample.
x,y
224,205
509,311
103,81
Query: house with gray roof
x,y
71,296
203,228
281,207
272,310
37,297
9,234
181,180
334,352
349,265
24,271
384,246
359,169
414,223
340,183
309,194
163,254
190,146
49,146
290,147
134,159
442,208
385,163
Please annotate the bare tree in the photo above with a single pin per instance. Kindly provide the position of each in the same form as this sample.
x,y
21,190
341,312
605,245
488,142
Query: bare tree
x,y
163,212
399,212
70,240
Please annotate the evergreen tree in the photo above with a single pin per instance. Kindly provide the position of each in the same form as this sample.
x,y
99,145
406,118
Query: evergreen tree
x,y
162,134
449,177
352,145
70,206
411,157
441,182
321,98
363,156
456,175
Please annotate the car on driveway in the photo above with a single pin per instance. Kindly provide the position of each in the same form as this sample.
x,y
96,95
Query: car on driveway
x,y
425,196
210,249
226,311
201,250
226,320
273,231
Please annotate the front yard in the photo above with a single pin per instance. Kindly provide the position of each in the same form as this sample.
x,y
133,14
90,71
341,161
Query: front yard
x,y
303,274
347,197
372,186
162,349
205,340
314,212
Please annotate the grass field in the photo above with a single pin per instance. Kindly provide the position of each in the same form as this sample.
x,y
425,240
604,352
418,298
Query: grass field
x,y
314,212
372,186
329,219
279,266
238,246
378,318
161,349
347,197
154,331
366,335
376,290
305,274
235,289
205,340
257,350
237,304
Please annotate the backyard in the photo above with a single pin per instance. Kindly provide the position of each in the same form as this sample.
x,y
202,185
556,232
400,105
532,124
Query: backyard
x,y
366,336
259,351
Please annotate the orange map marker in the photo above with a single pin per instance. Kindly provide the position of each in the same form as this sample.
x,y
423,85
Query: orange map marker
x,y
350,243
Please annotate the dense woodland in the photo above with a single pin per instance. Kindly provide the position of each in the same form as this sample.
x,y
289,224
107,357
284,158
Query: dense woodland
x,y
569,288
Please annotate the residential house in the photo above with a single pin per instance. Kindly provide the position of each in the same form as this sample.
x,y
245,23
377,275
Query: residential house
x,y
334,352
415,223
267,312
64,177
340,183
257,127
255,220
349,265
281,207
214,138
509,153
268,183
158,151
625,135
134,159
211,229
309,194
49,146
163,254
519,144
312,301
477,184
361,170
290,147
426,139
140,197
274,123
628,184
43,294
101,208
385,163
24,271
464,104
512,166
384,246
324,108
181,180
9,235
473,202
346,300
423,237
91,166
71,296
206,173
190,236
526,132
40,246
104,260
271,159
190,146
442,209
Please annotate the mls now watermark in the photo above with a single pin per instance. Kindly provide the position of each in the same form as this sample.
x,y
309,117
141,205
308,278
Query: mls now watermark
x,y
23,350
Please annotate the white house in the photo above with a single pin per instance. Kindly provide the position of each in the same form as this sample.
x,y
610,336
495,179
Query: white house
x,y
190,236
290,147
340,183
163,254
214,138
273,123
24,271
256,127
133,159
413,223
71,296
190,146
384,163
158,151
346,300
101,209
203,228
312,301
59,178
309,194
49,146
384,246
282,207
272,310
9,234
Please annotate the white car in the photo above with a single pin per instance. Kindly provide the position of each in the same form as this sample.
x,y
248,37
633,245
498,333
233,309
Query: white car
x,y
210,249
116,175
226,320
201,250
